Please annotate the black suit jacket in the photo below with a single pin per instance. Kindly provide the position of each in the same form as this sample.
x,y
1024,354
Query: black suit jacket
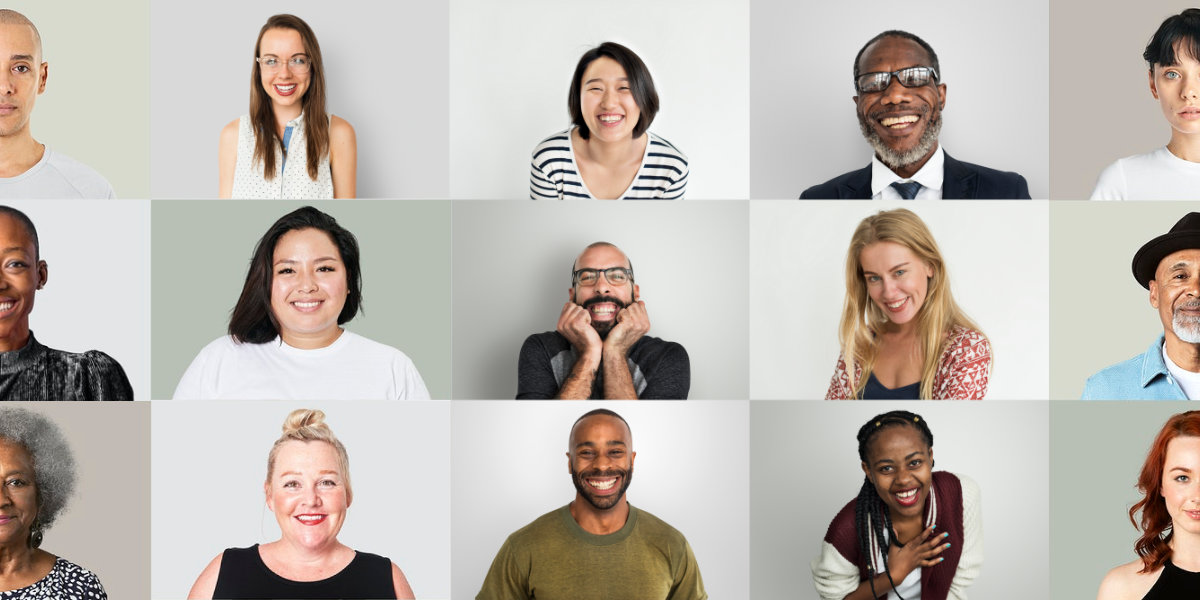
x,y
961,181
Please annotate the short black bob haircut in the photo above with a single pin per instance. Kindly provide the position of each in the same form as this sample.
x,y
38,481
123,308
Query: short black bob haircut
x,y
252,321
640,84
1183,30
933,59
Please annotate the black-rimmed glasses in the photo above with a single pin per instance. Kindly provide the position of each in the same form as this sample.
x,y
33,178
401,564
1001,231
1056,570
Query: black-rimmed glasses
x,y
869,83
614,275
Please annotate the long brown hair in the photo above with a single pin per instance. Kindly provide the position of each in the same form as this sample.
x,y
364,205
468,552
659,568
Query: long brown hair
x,y
262,113
1154,545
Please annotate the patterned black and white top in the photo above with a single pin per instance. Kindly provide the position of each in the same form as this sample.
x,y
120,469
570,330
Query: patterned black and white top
x,y
553,174
66,581
38,373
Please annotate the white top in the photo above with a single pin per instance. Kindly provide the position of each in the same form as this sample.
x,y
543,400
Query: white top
x,y
930,177
56,177
294,183
351,368
1187,380
1157,175
553,174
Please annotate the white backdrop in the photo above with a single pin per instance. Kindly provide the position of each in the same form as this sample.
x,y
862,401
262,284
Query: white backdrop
x,y
511,66
510,467
996,254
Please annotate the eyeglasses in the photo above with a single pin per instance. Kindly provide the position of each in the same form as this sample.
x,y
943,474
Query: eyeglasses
x,y
296,64
869,83
614,275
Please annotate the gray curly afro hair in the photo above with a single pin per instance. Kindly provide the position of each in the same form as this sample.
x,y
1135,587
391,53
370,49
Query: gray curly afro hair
x,y
53,463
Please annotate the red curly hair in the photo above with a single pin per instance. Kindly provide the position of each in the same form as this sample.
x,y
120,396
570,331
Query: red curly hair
x,y
1154,545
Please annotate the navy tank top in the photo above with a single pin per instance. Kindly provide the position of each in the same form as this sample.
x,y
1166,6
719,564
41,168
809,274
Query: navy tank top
x,y
875,391
1174,583
244,575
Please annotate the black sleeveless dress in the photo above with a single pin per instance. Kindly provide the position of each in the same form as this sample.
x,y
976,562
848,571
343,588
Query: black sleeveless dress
x,y
244,575
1174,583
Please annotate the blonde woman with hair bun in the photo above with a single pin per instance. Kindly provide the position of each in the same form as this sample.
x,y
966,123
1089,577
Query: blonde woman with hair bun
x,y
308,489
902,335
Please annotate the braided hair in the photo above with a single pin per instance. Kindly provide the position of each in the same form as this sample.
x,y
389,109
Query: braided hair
x,y
871,518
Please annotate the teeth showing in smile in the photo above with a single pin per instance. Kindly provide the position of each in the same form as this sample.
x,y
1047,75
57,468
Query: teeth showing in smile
x,y
602,484
897,304
286,88
313,304
610,118
310,519
907,495
7,305
603,310
898,121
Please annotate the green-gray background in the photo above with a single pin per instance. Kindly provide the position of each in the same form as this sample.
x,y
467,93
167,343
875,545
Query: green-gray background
x,y
96,105
1099,315
202,250
106,525
1096,451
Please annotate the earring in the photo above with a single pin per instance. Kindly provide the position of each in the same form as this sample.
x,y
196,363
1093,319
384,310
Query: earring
x,y
35,534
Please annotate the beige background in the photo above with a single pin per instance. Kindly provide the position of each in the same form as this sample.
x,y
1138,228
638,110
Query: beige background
x,y
1099,315
106,525
96,105
1101,108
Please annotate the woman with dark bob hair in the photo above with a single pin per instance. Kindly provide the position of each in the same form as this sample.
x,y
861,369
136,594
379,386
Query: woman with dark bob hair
x,y
1168,563
38,474
285,337
1173,171
609,152
288,146
912,533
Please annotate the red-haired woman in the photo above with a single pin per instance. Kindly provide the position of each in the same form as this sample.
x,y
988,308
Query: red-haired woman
x,y
1169,549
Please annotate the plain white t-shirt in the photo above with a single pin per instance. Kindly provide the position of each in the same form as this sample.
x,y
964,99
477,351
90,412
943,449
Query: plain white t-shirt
x,y
351,368
1188,381
1157,175
55,177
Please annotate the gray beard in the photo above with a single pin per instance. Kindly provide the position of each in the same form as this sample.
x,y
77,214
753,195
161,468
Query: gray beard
x,y
1187,329
897,160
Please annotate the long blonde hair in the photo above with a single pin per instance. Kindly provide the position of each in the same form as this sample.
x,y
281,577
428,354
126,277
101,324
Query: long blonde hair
x,y
862,318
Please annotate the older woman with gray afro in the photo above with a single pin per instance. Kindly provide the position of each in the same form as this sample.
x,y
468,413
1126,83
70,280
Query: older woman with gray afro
x,y
37,477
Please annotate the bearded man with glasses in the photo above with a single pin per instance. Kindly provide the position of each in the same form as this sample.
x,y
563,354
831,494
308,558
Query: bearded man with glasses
x,y
599,349
900,97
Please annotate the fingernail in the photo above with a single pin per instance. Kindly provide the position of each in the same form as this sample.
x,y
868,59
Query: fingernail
x,y
941,559
947,534
934,526
947,544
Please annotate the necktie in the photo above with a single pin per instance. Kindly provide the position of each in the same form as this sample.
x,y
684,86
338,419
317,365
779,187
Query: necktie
x,y
908,190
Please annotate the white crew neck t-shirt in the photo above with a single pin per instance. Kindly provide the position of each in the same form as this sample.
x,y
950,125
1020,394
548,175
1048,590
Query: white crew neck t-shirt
x,y
1157,175
56,177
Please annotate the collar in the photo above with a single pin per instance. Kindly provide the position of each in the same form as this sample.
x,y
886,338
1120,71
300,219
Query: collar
x,y
1152,362
16,360
930,176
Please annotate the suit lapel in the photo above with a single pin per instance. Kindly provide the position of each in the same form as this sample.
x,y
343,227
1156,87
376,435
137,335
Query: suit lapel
x,y
958,182
857,186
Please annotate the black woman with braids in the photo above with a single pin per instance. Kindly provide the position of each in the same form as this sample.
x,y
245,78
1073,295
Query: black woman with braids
x,y
912,533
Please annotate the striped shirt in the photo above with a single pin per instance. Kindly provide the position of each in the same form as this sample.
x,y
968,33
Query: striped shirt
x,y
553,173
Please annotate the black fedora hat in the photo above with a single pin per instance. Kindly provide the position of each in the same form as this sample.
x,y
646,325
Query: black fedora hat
x,y
1185,235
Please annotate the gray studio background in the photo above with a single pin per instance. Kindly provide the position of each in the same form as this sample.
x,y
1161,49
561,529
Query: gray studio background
x,y
804,125
1099,47
106,526
510,467
1097,452
97,294
511,66
98,88
996,256
401,506
386,73
1100,315
805,468
202,250
512,264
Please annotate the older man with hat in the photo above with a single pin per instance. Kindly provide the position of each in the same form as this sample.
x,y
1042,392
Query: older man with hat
x,y
1168,266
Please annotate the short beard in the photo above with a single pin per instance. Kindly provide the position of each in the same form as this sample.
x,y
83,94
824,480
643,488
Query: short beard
x,y
1186,328
604,327
898,160
603,502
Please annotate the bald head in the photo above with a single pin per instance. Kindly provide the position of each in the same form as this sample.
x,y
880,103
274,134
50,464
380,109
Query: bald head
x,y
596,248
9,16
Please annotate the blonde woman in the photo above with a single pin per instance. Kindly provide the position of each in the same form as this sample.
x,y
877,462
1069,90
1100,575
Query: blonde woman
x,y
901,333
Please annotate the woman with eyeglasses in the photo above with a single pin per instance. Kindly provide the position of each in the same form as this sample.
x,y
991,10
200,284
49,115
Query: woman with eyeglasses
x,y
902,334
1173,171
288,146
609,153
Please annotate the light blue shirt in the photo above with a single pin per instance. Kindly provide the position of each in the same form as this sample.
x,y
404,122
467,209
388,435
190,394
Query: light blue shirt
x,y
1143,377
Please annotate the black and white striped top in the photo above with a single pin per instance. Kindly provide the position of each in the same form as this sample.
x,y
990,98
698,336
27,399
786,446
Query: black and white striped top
x,y
553,174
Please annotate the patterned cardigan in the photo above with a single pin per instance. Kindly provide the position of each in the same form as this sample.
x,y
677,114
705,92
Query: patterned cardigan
x,y
962,373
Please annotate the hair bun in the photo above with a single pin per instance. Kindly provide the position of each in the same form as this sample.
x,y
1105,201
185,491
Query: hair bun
x,y
304,418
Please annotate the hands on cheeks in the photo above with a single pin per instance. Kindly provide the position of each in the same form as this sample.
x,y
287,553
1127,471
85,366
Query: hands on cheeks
x,y
921,551
632,323
575,324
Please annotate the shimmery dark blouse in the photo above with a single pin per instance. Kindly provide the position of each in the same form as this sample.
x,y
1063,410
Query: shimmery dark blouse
x,y
36,372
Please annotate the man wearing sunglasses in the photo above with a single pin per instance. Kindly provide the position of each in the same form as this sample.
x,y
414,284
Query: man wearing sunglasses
x,y
900,98
600,349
